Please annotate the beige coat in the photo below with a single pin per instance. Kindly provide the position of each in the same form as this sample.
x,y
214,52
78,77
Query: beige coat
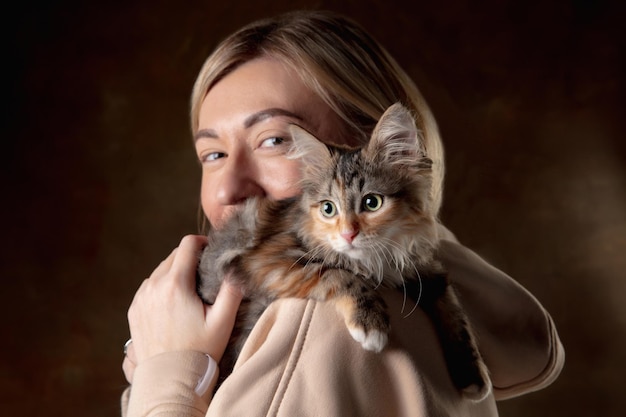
x,y
301,361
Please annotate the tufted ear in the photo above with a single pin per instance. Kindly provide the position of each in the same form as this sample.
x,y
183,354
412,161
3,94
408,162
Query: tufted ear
x,y
313,153
396,140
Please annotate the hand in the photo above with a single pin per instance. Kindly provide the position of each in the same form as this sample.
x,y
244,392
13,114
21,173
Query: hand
x,y
167,315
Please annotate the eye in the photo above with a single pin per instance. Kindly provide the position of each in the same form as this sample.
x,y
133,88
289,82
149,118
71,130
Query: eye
x,y
372,202
270,142
212,156
328,209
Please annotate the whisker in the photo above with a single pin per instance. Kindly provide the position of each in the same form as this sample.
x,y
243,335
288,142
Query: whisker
x,y
383,255
310,254
419,295
402,263
398,262
396,246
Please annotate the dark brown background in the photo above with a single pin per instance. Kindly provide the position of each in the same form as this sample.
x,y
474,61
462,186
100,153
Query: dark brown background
x,y
99,180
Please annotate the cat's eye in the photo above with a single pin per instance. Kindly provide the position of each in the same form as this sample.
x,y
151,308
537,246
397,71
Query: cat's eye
x,y
328,209
372,202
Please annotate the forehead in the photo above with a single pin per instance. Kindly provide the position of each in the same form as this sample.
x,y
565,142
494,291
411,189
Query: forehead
x,y
266,83
258,83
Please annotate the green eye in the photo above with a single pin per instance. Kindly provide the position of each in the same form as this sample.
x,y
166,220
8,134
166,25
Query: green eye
x,y
328,209
372,202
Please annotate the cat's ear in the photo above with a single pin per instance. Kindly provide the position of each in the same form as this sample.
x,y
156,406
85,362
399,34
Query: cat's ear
x,y
313,153
396,140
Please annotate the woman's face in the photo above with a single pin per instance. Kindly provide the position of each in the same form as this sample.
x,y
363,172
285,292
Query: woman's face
x,y
243,135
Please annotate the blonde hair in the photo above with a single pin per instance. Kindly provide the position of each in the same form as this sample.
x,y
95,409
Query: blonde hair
x,y
339,61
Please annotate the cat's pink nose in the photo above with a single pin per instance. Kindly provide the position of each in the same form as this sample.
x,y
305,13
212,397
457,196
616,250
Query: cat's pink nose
x,y
349,235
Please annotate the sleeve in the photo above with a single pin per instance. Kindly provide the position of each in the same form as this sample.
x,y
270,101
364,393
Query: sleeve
x,y
166,385
516,335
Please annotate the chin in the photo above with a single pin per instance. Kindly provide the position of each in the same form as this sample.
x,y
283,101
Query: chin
x,y
354,253
349,250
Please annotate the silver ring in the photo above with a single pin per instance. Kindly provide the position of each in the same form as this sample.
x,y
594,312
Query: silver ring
x,y
128,342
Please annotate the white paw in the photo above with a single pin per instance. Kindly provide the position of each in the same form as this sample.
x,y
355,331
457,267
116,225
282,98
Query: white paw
x,y
373,340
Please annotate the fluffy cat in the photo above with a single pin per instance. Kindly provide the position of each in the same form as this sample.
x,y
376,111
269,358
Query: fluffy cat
x,y
363,221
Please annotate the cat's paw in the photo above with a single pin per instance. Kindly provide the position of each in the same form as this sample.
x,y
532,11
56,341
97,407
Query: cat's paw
x,y
373,340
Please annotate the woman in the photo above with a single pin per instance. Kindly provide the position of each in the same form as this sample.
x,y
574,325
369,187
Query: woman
x,y
326,74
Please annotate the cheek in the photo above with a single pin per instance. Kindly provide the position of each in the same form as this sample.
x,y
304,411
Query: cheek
x,y
280,178
323,230
382,223
207,201
390,223
213,210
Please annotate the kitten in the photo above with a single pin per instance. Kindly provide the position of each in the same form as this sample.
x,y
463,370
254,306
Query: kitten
x,y
363,221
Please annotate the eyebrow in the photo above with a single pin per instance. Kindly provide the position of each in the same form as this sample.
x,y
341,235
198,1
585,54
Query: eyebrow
x,y
250,121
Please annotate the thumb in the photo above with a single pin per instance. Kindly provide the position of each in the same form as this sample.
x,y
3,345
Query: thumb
x,y
221,317
227,302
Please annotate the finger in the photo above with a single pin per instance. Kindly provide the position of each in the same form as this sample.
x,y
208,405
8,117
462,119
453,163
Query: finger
x,y
165,265
187,257
129,369
221,318
187,253
227,302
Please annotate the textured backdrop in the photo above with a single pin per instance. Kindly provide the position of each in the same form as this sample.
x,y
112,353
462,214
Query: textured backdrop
x,y
99,180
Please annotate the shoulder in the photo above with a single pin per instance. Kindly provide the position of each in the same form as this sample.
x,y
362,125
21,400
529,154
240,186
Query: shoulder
x,y
301,360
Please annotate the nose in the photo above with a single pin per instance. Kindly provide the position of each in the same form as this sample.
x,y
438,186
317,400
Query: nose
x,y
349,235
238,182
